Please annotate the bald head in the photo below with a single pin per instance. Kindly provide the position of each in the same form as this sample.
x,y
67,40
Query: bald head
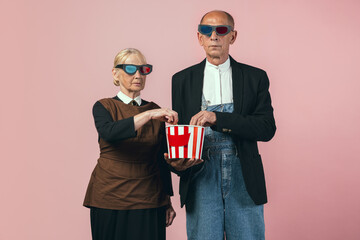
x,y
219,13
217,45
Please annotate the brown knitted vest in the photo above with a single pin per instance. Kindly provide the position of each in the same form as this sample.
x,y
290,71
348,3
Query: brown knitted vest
x,y
127,174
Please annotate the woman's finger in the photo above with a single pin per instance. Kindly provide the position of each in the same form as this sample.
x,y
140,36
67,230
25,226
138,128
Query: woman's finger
x,y
167,216
171,217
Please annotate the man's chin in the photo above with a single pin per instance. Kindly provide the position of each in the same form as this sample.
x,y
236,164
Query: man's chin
x,y
214,55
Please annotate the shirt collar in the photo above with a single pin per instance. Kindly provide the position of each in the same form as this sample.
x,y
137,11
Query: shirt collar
x,y
127,99
222,67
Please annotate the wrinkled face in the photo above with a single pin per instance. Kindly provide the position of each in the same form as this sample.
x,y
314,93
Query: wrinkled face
x,y
131,85
216,46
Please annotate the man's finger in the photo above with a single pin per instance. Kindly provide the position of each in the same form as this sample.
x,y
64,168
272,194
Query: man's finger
x,y
195,118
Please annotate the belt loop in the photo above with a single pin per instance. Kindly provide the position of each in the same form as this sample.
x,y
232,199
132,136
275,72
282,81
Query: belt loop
x,y
237,153
208,153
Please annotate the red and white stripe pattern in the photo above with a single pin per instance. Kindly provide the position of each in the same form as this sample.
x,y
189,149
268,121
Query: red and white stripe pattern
x,y
185,141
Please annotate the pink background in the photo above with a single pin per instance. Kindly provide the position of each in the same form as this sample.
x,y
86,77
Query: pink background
x,y
56,59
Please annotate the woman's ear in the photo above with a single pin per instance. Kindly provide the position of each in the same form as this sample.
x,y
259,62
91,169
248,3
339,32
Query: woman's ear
x,y
115,74
116,78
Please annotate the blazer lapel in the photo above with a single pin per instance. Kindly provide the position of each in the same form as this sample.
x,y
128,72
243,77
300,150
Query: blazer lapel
x,y
196,86
238,85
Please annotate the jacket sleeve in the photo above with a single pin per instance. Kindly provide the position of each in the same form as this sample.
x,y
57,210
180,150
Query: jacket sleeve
x,y
110,130
256,126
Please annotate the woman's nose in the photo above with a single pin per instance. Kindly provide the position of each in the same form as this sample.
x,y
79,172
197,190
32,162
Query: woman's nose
x,y
137,74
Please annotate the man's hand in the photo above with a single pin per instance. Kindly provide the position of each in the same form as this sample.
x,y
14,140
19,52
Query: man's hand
x,y
181,164
204,119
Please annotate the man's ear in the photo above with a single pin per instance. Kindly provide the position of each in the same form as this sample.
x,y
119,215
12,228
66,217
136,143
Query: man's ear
x,y
200,38
233,37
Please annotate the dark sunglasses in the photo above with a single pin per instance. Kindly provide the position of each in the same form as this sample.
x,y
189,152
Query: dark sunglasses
x,y
220,30
131,69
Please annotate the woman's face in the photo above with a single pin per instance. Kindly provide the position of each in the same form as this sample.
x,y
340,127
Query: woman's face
x,y
131,85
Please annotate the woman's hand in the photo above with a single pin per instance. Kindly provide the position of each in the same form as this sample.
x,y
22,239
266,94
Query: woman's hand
x,y
170,215
181,164
164,114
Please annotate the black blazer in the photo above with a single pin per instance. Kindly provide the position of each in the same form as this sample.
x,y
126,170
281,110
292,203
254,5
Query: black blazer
x,y
252,120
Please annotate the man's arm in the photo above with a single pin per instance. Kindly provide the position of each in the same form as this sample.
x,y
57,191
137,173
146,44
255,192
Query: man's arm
x,y
257,126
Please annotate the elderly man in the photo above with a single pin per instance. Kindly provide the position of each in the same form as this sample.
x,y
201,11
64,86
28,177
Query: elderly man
x,y
224,193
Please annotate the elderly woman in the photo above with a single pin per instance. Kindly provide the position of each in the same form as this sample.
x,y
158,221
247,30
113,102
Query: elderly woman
x,y
130,187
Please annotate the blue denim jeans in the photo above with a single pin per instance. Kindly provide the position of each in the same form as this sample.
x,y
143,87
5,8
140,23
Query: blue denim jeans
x,y
218,204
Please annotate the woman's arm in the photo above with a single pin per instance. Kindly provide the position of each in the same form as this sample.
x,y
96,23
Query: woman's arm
x,y
112,131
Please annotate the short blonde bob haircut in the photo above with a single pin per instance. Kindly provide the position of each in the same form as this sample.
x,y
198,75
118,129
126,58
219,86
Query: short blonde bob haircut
x,y
121,57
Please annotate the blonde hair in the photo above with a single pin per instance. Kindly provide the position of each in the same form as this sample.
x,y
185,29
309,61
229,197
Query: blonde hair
x,y
121,57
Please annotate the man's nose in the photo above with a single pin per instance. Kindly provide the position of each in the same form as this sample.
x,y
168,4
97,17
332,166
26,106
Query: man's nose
x,y
213,36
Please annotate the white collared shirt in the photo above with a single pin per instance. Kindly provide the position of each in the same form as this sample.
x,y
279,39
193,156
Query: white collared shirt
x,y
127,99
217,88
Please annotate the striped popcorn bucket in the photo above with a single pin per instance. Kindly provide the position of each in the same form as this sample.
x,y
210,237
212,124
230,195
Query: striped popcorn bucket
x,y
185,141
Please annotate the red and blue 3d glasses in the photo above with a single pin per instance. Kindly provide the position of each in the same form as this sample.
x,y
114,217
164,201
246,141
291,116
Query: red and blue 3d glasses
x,y
221,30
131,68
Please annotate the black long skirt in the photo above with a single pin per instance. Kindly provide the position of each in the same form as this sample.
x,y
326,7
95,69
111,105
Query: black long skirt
x,y
142,224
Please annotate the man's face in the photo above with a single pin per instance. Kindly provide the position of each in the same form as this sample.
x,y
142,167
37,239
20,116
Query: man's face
x,y
216,46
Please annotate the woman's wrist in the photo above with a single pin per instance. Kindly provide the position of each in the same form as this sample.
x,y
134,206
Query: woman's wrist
x,y
169,204
148,115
